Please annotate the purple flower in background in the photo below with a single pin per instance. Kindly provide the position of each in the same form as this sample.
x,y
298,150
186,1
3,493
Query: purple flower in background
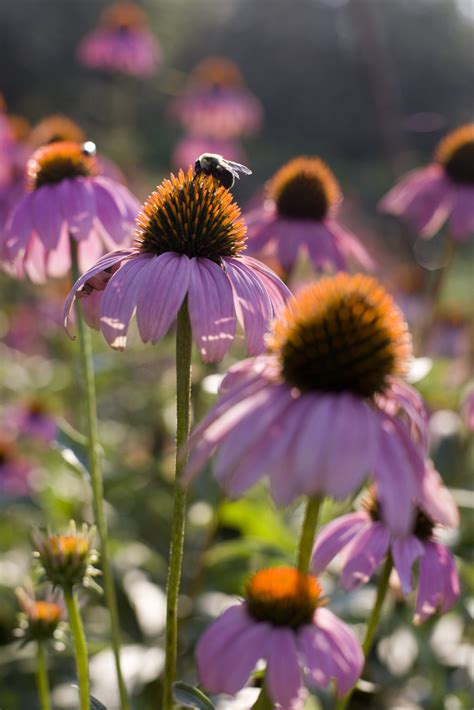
x,y
32,419
188,245
66,198
300,216
281,621
326,407
441,192
122,43
15,470
364,541
216,103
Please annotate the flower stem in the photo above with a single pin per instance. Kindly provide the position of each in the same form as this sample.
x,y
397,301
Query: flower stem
x,y
372,623
80,646
183,407
308,532
42,677
85,346
263,701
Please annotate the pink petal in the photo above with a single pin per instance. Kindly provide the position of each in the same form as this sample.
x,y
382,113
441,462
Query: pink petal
x,y
405,552
164,282
19,227
120,298
438,585
116,211
461,222
403,193
350,246
78,206
107,261
323,248
252,303
47,216
398,471
35,260
332,538
283,676
59,260
436,500
316,649
346,653
364,555
278,292
211,309
89,250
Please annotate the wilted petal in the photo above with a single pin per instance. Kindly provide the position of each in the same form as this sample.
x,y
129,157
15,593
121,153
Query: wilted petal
x,y
334,536
364,555
438,584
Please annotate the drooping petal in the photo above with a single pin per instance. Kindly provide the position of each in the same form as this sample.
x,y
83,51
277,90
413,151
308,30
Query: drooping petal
x,y
252,303
106,262
405,552
211,309
350,246
19,227
163,286
48,218
89,250
334,536
316,649
278,292
364,555
323,248
119,300
116,210
438,584
283,676
436,500
34,260
461,221
59,260
398,471
429,208
346,653
78,206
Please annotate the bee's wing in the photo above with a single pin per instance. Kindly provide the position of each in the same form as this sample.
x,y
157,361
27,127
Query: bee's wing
x,y
236,168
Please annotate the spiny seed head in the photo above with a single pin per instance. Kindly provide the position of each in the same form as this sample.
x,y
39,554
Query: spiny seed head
x,y
283,596
56,128
40,618
59,161
217,71
192,215
342,334
456,154
423,525
67,560
125,15
305,188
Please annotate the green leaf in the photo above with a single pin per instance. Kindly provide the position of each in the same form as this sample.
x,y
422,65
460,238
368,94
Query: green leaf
x,y
191,697
96,704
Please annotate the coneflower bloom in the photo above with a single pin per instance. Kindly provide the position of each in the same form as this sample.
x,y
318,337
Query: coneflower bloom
x,y
283,621
33,419
364,541
325,407
299,215
40,618
15,470
188,244
122,43
67,560
441,192
66,199
216,104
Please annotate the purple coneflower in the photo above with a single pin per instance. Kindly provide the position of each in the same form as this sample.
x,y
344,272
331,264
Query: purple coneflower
x,y
443,191
187,245
14,469
216,104
325,407
298,215
66,199
123,43
33,419
282,620
365,541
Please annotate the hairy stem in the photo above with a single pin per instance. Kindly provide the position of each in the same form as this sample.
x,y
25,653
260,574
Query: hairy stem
x,y
80,646
85,346
308,532
183,408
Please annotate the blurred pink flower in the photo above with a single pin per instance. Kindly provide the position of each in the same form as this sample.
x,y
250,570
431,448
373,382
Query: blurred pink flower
x,y
365,541
216,103
326,407
443,191
299,215
122,43
32,419
15,470
282,622
66,199
190,147
188,245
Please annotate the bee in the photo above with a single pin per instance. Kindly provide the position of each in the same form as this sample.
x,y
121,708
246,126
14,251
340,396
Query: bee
x,y
225,171
89,148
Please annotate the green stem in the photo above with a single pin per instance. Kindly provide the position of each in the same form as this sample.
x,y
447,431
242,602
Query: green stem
x,y
42,677
263,701
308,532
183,407
372,623
85,346
80,646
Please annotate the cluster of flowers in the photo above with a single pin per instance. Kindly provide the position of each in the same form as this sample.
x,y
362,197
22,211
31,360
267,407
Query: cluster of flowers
x,y
320,408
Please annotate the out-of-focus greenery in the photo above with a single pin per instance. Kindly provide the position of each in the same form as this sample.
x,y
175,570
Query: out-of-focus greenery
x,y
308,63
